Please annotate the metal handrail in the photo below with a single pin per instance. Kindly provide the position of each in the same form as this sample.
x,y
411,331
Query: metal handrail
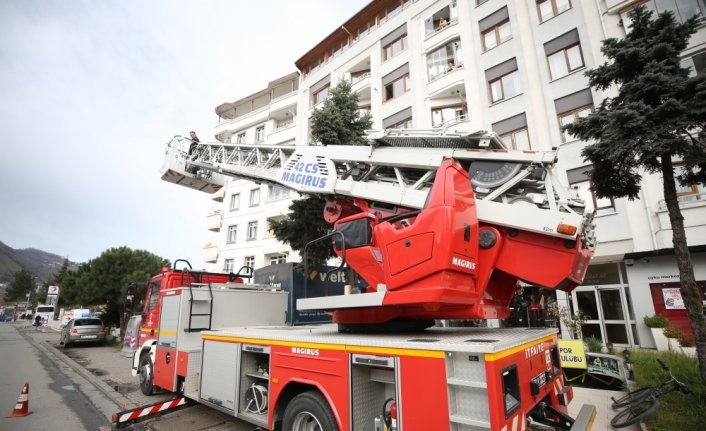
x,y
329,272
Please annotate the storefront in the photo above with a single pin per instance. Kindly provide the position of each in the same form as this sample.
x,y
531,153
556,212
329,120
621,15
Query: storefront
x,y
654,283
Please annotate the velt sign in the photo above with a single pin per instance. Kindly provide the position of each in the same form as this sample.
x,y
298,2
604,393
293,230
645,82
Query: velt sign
x,y
572,354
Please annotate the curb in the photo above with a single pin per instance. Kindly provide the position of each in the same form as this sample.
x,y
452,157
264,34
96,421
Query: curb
x,y
120,400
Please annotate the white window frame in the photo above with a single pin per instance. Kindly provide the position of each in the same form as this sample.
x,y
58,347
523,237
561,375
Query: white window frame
x,y
278,258
235,202
260,134
240,139
228,265
232,234
254,197
252,231
249,261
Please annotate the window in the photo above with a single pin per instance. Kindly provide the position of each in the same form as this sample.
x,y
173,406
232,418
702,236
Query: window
x,y
517,140
697,64
496,35
448,115
320,91
278,258
565,61
682,9
505,87
154,294
228,265
232,234
276,193
441,19
513,131
252,230
495,29
249,261
397,87
254,197
234,201
444,60
320,96
364,110
400,120
572,107
260,134
570,117
564,54
503,81
548,9
395,47
240,139
690,192
580,178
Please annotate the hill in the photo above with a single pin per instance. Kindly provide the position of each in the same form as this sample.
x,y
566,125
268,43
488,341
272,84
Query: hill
x,y
41,263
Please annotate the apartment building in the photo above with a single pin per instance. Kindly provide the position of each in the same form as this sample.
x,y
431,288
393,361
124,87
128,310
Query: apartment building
x,y
243,208
517,68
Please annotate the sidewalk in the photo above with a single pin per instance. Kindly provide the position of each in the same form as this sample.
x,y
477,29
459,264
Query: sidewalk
x,y
109,371
604,412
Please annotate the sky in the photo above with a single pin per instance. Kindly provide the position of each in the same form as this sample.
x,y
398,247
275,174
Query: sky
x,y
91,92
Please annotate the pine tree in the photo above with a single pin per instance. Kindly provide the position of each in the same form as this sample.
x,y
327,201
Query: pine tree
x,y
659,115
336,122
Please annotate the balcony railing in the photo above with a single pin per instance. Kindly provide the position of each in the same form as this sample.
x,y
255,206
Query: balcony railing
x,y
452,122
359,78
445,72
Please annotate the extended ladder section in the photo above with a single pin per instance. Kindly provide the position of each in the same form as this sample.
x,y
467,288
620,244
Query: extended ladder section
x,y
440,226
398,168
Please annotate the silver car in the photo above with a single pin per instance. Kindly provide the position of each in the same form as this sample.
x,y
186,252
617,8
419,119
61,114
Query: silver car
x,y
83,330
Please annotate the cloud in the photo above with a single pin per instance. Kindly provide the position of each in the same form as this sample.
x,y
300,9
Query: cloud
x,y
93,90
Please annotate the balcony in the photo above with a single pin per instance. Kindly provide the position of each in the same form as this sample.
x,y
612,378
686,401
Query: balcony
x,y
214,221
210,253
219,195
694,213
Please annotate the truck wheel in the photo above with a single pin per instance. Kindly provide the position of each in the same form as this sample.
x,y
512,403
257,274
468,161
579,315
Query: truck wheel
x,y
146,374
309,411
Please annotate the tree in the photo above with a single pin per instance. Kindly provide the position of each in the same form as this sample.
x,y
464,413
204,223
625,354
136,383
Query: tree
x,y
337,122
105,279
22,282
658,115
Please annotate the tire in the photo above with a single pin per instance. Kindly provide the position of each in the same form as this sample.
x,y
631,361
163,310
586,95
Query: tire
x,y
146,375
309,411
635,412
633,397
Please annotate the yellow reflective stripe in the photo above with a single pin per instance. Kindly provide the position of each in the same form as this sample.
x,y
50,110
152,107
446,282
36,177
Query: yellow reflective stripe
x,y
165,332
149,330
508,352
342,347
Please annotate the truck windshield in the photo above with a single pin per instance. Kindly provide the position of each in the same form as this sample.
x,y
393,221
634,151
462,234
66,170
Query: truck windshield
x,y
45,309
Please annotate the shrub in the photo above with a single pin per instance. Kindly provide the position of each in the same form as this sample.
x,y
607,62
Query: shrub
x,y
656,321
593,344
672,332
685,339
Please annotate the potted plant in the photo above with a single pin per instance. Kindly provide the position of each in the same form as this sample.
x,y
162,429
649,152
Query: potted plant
x,y
680,341
657,323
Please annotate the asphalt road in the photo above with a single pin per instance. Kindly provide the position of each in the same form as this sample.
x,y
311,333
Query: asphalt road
x,y
59,399
105,382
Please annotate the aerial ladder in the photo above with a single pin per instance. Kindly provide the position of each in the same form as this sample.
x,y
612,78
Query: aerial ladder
x,y
440,225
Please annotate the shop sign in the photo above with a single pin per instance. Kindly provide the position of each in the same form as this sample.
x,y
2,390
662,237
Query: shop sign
x,y
572,354
673,299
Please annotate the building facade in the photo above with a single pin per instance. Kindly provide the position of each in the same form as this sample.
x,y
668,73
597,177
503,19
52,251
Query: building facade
x,y
517,68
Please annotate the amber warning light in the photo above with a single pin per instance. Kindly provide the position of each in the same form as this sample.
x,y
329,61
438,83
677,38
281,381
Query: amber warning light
x,y
566,229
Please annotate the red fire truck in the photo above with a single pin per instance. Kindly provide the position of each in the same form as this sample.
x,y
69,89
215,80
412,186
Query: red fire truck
x,y
440,227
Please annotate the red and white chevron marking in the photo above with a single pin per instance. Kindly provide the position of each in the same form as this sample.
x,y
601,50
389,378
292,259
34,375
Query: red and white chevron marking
x,y
517,423
150,410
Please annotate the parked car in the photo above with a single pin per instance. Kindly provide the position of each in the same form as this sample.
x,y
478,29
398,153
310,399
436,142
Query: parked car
x,y
5,318
83,330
